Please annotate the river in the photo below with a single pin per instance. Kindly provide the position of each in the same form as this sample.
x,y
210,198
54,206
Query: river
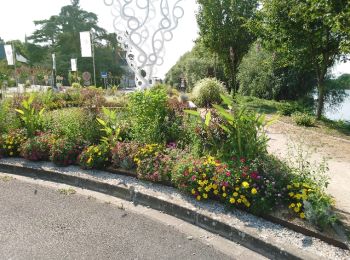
x,y
342,112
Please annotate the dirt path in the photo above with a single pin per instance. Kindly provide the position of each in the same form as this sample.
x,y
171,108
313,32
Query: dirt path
x,y
335,150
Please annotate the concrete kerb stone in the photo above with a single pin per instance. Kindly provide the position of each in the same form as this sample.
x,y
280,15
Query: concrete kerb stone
x,y
237,234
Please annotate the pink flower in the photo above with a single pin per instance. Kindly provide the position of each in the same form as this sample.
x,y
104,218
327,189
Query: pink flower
x,y
254,175
194,177
228,174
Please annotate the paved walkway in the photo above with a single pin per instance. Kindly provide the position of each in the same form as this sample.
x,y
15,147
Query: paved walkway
x,y
335,150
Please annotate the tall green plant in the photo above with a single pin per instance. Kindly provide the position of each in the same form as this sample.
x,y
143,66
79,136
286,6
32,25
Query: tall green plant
x,y
244,128
31,118
148,112
109,127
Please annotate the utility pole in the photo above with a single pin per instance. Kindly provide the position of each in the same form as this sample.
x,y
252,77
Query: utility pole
x,y
93,55
14,63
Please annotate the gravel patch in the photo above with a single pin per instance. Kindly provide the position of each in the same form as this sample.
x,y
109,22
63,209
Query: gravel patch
x,y
265,230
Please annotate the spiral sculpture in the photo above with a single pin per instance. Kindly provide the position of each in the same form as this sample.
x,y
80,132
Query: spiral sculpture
x,y
143,27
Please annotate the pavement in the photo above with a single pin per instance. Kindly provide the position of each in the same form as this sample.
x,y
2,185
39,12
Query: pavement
x,y
287,140
44,220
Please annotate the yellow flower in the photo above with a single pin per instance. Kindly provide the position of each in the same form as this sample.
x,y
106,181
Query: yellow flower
x,y
245,185
302,215
224,195
296,185
236,189
205,195
223,188
11,153
199,189
207,189
235,194
193,191
247,204
289,187
292,205
232,200
239,201
296,209
215,186
198,197
291,194
89,160
299,205
254,191
216,192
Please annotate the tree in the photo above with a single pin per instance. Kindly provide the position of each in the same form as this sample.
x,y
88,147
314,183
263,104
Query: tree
x,y
262,73
307,32
60,34
224,29
194,66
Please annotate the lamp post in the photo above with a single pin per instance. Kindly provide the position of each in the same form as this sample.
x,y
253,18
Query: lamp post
x,y
93,55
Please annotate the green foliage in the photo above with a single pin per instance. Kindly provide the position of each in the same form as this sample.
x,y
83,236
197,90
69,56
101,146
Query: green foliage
x,y
38,147
194,66
95,157
123,155
31,119
110,127
10,143
304,119
73,124
245,131
207,92
65,152
148,111
224,29
263,74
8,117
76,85
308,33
288,108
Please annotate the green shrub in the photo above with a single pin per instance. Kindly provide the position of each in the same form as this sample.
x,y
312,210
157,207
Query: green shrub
x,y
73,124
148,112
37,148
95,157
65,152
123,155
303,119
207,92
10,144
288,108
8,118
76,85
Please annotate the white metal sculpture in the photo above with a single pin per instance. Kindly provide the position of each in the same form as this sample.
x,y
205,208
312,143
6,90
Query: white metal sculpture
x,y
143,27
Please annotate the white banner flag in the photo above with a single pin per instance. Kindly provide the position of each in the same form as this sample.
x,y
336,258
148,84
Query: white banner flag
x,y
85,42
73,63
9,55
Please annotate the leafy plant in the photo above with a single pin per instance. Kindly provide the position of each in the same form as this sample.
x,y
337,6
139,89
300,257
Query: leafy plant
x,y
32,120
10,144
148,112
123,155
65,152
207,92
109,127
95,156
38,147
303,119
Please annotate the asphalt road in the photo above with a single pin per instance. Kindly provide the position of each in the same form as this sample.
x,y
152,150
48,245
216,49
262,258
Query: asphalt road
x,y
37,222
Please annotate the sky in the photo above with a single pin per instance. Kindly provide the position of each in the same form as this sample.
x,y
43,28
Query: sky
x,y
16,21
28,11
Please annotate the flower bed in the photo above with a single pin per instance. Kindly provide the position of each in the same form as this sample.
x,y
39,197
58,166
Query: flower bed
x,y
217,154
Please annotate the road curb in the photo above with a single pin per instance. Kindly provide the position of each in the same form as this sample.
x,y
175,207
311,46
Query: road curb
x,y
238,234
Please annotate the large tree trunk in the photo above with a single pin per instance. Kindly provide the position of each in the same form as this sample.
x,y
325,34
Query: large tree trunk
x,y
320,101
